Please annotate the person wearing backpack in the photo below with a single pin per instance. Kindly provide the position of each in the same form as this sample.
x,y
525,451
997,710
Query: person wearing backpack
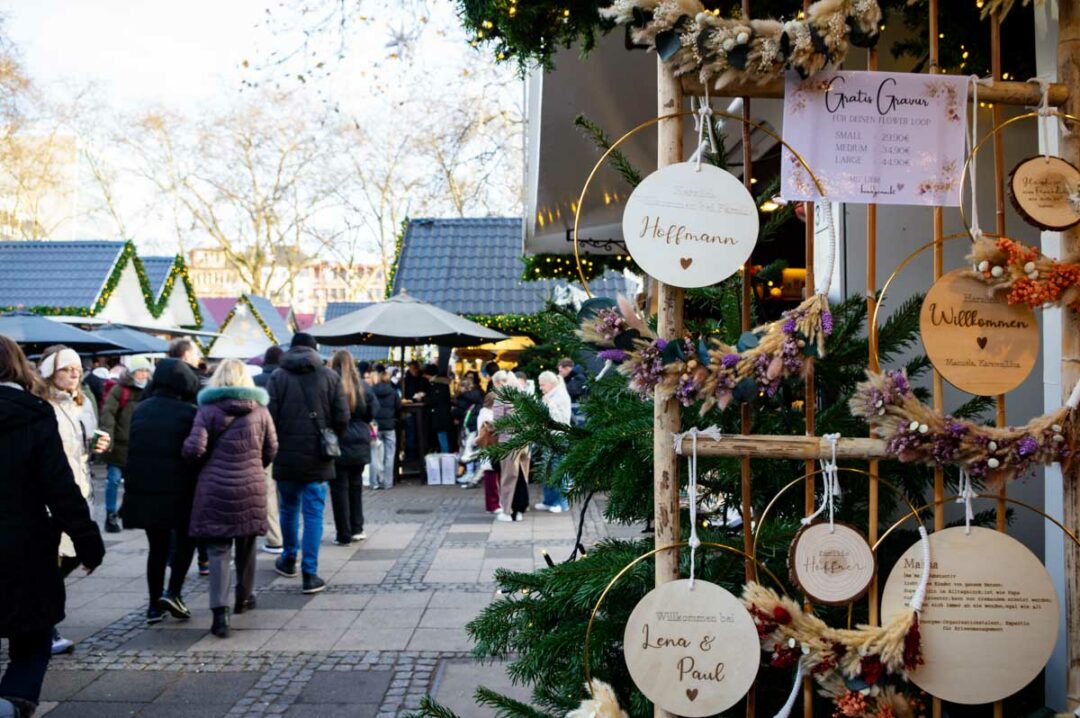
x,y
234,436
311,413
346,491
115,421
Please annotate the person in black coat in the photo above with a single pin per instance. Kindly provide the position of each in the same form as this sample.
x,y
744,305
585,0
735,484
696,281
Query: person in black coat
x,y
437,404
271,363
301,387
467,405
346,491
39,499
160,485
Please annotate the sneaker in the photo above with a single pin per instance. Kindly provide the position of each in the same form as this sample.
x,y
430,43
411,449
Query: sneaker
x,y
61,645
285,566
497,511
502,517
543,507
154,615
375,487
342,542
204,568
362,536
313,584
112,525
267,548
556,509
175,607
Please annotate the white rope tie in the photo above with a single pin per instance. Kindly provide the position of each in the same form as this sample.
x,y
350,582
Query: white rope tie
x,y
796,690
703,125
924,580
1074,398
607,367
823,287
1044,112
966,496
830,475
691,490
972,138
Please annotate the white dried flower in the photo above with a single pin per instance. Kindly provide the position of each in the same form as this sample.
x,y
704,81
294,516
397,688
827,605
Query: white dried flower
x,y
997,271
993,463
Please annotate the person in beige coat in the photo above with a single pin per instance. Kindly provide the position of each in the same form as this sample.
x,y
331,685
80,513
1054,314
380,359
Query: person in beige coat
x,y
517,463
76,418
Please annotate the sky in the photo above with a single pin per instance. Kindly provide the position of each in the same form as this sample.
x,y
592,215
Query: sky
x,y
188,56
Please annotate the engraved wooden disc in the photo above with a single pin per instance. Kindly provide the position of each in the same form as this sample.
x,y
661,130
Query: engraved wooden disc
x,y
693,652
831,566
1039,188
990,620
979,342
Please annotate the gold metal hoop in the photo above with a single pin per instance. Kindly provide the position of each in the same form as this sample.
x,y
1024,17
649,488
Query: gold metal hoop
x,y
650,123
986,138
888,484
650,554
993,497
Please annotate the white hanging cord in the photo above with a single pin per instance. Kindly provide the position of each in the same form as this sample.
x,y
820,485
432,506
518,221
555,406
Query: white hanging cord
x,y
796,691
966,496
924,580
607,367
703,124
1044,113
691,490
1074,398
830,475
972,138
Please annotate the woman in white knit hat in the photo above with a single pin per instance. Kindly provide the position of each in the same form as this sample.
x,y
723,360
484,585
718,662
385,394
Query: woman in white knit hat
x,y
76,417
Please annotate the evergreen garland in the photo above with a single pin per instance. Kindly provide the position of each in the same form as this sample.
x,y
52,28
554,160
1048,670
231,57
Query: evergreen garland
x,y
392,274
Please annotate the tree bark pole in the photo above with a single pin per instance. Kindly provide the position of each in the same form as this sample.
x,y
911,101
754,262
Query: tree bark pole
x,y
666,417
1069,76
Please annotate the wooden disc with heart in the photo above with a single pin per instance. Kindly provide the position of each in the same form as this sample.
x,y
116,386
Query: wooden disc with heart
x,y
1046,192
977,341
691,651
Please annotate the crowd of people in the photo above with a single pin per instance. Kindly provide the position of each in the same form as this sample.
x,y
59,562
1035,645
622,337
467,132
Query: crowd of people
x,y
206,463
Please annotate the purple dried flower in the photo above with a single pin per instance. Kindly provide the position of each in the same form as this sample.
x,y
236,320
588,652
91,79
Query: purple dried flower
x,y
899,381
661,344
1026,446
617,356
687,391
826,321
730,361
789,326
610,324
954,428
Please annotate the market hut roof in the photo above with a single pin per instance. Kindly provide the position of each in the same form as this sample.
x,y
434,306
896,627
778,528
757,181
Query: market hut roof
x,y
157,271
473,266
361,352
67,274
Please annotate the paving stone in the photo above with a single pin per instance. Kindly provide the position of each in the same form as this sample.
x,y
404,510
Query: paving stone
x,y
79,709
133,686
380,639
284,600
180,639
328,710
306,639
178,710
208,688
359,688
509,552
440,639
389,618
62,685
377,554
238,640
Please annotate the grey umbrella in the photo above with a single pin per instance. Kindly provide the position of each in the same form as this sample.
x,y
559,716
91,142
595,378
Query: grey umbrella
x,y
34,333
131,341
404,321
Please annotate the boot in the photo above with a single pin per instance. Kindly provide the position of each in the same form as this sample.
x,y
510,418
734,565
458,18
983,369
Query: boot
x,y
112,525
220,627
244,604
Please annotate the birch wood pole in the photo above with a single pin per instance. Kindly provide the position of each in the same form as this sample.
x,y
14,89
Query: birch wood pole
x,y
669,304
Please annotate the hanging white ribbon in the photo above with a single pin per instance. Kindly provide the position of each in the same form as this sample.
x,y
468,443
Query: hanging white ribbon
x,y
966,496
712,432
972,138
703,124
1074,397
924,579
830,475
796,691
1044,112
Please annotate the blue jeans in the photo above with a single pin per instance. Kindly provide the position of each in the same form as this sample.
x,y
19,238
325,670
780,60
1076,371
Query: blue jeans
x,y
553,496
309,499
444,442
382,463
113,477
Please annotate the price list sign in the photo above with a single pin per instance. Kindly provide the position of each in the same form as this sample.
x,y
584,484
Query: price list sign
x,y
875,137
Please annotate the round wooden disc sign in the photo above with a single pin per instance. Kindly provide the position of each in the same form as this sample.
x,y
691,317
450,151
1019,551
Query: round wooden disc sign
x,y
690,225
832,565
979,342
1040,189
990,619
693,652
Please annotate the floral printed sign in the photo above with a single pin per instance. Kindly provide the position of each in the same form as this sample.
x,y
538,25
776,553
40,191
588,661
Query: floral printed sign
x,y
875,137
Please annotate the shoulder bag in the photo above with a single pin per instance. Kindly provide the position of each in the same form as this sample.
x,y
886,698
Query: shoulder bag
x,y
329,445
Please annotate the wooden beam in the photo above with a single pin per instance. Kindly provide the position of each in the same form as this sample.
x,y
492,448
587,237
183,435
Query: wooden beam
x,y
786,447
1069,75
1005,93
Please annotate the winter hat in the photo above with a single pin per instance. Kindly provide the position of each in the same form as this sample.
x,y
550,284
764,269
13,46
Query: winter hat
x,y
138,362
101,372
303,339
59,360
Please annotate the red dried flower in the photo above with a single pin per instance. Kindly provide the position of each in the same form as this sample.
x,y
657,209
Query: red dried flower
x,y
913,647
870,668
781,615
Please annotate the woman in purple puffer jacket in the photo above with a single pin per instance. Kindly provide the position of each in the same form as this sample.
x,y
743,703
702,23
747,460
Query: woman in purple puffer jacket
x,y
234,437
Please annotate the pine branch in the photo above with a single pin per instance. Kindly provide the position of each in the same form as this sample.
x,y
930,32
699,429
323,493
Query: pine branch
x,y
618,161
429,708
506,707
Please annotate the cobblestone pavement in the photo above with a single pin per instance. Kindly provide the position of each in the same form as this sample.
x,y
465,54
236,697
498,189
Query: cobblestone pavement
x,y
388,630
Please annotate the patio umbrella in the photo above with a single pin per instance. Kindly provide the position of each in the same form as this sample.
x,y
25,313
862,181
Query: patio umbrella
x,y
34,333
131,341
404,321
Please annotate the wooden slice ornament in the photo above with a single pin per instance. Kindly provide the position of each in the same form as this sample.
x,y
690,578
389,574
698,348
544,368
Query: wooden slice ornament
x,y
990,619
1042,190
690,225
691,651
978,341
832,565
